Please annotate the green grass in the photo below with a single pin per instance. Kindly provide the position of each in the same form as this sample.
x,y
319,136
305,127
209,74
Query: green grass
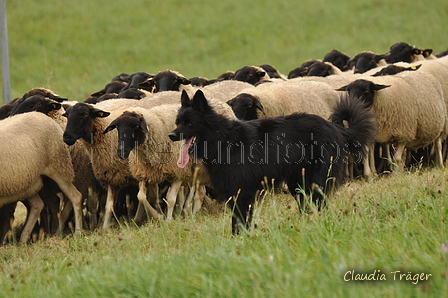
x,y
395,223
389,224
76,49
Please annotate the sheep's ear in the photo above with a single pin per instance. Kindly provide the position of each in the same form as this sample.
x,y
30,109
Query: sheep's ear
x,y
111,126
380,57
414,67
149,83
199,101
229,102
185,99
261,74
258,105
99,93
417,52
67,111
377,87
426,53
143,125
99,113
55,106
343,88
184,81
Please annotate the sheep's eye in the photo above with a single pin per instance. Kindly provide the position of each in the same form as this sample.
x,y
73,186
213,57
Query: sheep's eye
x,y
249,106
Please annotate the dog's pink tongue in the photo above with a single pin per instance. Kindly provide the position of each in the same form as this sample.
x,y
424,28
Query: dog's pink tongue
x,y
184,157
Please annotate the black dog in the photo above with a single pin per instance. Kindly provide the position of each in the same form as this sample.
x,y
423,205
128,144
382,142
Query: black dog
x,y
238,155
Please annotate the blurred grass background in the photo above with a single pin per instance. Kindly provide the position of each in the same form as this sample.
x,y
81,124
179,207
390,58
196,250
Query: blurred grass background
x,y
75,48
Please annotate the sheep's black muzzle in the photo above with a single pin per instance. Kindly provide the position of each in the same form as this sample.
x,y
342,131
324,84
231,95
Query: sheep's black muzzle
x,y
69,139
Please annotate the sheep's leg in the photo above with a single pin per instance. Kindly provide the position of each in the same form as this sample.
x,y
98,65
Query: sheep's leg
x,y
388,155
438,152
179,202
398,157
171,198
65,213
372,160
143,201
189,201
366,164
109,207
35,207
198,198
444,151
75,197
92,207
138,217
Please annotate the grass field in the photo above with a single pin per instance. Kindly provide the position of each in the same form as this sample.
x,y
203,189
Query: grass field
x,y
389,224
76,49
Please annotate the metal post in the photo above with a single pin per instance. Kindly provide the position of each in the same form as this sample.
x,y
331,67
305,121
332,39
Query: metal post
x,y
5,55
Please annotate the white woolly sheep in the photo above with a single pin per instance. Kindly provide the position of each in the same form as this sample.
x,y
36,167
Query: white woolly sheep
x,y
27,156
87,122
409,110
284,98
439,69
143,135
84,179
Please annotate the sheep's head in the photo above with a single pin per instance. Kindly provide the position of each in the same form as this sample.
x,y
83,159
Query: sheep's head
x,y
246,106
132,132
112,87
338,59
364,90
37,103
271,71
366,61
80,122
320,69
45,93
394,69
249,74
403,52
166,80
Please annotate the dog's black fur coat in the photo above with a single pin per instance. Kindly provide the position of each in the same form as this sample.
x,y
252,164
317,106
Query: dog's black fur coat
x,y
237,155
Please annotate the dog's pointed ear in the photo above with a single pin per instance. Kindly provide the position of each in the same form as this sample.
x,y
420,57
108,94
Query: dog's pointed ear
x,y
143,126
343,88
199,101
258,104
185,99
111,126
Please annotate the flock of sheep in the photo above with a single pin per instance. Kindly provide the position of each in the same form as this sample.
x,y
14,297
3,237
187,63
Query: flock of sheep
x,y
66,162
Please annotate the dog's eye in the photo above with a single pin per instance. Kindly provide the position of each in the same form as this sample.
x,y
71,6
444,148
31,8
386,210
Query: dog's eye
x,y
188,124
